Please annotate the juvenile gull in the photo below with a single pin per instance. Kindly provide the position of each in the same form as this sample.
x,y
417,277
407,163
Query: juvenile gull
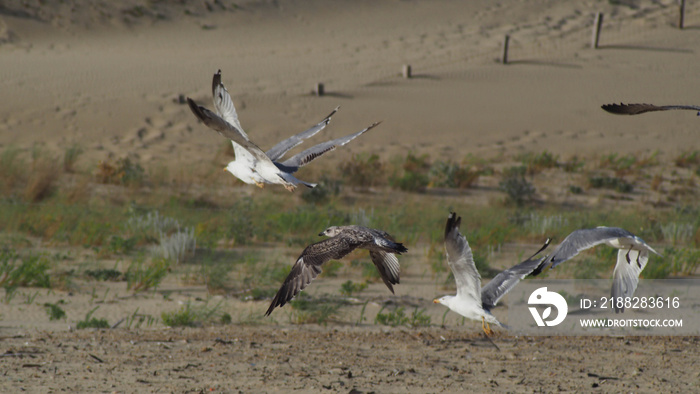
x,y
472,301
252,165
636,109
344,239
631,258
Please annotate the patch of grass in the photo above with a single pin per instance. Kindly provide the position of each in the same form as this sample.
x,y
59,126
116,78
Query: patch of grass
x,y
606,182
12,170
451,175
91,322
349,288
55,311
325,189
123,172
135,320
369,271
105,274
518,190
141,276
414,177
683,261
70,157
31,270
536,162
393,318
306,310
573,165
331,268
363,171
42,180
119,245
688,159
195,315
626,164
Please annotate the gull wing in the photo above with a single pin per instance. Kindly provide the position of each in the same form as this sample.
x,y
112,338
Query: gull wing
x,y
388,266
283,147
461,261
305,157
218,124
580,240
635,109
626,274
506,280
224,104
308,266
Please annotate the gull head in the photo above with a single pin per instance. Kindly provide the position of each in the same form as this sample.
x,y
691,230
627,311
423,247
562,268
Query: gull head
x,y
331,231
444,300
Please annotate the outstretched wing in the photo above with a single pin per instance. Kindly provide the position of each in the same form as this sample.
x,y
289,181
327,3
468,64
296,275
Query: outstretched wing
x,y
388,266
583,239
635,109
461,261
224,104
226,129
305,157
308,266
283,147
506,280
626,274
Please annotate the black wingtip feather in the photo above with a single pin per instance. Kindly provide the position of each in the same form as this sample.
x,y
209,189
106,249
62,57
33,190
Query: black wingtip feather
x,y
453,222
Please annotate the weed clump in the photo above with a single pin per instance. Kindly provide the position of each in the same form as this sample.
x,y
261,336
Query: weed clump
x,y
91,322
195,315
516,187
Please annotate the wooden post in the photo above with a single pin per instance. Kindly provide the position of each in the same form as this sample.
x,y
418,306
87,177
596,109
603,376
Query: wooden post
x,y
504,59
682,14
406,71
596,30
318,90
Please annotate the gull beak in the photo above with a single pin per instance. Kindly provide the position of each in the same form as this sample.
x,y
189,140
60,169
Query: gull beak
x,y
224,168
320,234
436,301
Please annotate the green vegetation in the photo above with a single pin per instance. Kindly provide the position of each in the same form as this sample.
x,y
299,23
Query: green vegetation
x,y
613,183
349,288
55,311
518,190
190,315
398,317
307,310
30,270
91,322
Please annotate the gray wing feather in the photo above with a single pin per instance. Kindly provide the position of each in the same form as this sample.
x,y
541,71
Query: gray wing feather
x,y
218,124
283,147
461,261
305,157
635,109
506,280
626,274
388,266
583,239
224,104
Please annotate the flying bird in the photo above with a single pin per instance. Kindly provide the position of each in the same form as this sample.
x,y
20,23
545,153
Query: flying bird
x,y
632,256
343,240
472,301
252,165
636,109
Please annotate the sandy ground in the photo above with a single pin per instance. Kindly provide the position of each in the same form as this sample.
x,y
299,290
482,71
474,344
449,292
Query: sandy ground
x,y
108,76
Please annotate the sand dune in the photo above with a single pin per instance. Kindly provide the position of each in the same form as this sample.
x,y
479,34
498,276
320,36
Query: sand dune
x,y
107,79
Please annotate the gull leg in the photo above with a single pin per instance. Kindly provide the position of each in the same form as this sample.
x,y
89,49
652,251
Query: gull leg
x,y
259,184
486,327
627,256
290,187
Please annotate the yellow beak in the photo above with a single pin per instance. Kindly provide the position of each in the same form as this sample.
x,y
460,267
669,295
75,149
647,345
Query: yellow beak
x,y
436,301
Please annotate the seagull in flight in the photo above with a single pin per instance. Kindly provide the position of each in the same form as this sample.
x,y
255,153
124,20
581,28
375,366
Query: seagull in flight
x,y
343,240
472,301
636,109
252,165
632,256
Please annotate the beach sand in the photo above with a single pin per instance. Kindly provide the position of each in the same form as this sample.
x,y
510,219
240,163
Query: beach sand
x,y
108,76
